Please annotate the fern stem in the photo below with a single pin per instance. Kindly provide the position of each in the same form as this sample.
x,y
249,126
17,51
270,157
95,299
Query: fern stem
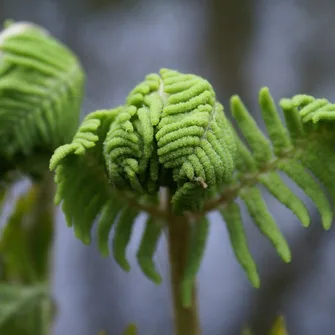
x,y
186,320
46,193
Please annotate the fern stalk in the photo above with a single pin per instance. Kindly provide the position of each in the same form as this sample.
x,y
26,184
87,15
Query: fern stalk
x,y
186,318
45,204
44,209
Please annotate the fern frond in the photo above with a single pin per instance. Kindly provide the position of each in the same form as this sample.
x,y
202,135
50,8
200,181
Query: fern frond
x,y
122,236
151,235
106,222
320,135
84,189
232,216
171,132
80,174
41,88
173,123
297,151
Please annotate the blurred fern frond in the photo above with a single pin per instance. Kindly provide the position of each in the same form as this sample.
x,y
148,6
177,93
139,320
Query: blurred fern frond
x,y
41,91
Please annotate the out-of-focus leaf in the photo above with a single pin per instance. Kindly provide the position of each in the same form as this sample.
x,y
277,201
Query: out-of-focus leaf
x,y
13,243
24,310
26,239
246,331
41,232
130,330
278,327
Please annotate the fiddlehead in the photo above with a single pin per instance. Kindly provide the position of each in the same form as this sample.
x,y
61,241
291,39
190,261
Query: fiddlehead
x,y
41,85
171,132
170,124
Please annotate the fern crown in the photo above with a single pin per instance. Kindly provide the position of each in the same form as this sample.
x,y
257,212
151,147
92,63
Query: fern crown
x,y
172,133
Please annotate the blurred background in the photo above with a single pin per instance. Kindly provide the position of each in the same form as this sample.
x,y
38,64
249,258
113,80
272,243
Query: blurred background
x,y
239,46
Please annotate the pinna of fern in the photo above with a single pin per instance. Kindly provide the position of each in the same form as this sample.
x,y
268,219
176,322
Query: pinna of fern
x,y
172,133
296,150
41,91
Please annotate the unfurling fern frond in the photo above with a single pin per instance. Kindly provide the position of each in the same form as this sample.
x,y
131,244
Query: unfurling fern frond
x,y
172,133
41,88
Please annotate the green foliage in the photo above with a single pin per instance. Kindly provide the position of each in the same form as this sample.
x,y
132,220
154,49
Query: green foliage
x,y
26,238
297,152
24,310
151,235
25,304
41,91
41,86
172,133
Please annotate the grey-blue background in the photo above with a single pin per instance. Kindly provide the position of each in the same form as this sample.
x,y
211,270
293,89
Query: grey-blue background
x,y
288,45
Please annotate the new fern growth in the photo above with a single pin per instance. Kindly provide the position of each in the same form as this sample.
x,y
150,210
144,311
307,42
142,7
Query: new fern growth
x,y
172,133
169,151
41,88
